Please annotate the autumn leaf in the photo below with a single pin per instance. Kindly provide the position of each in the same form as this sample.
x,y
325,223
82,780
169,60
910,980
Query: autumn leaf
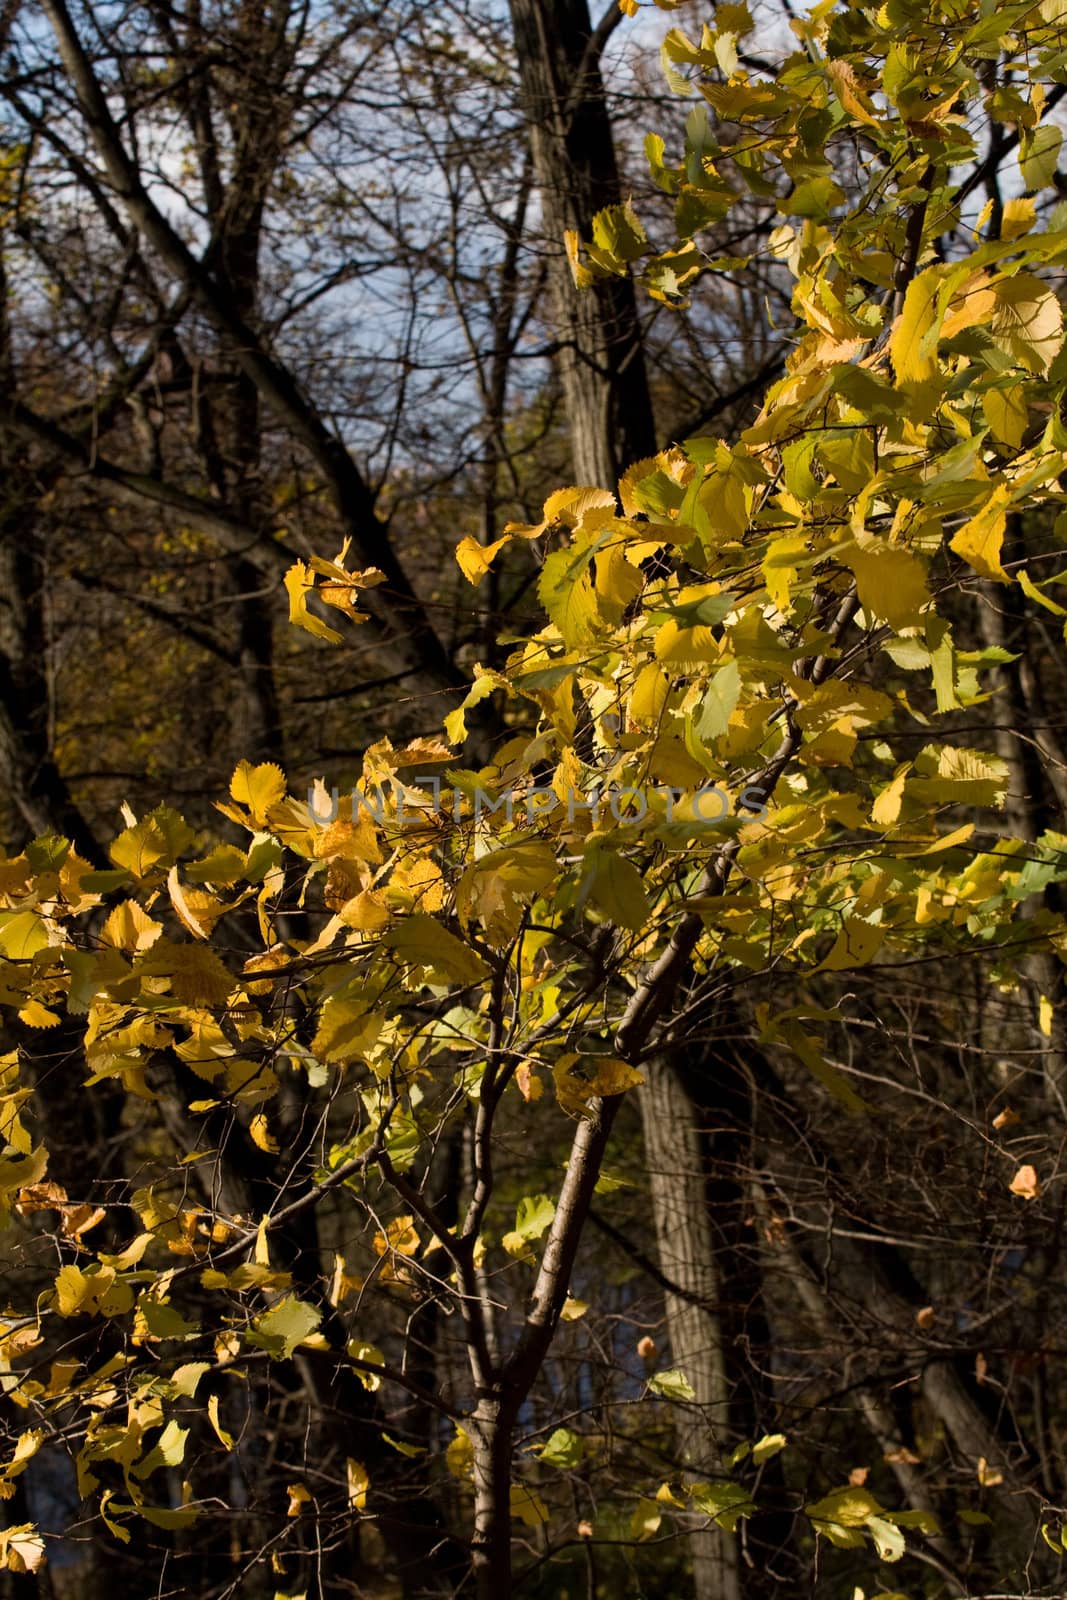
x,y
1026,1183
1027,322
980,539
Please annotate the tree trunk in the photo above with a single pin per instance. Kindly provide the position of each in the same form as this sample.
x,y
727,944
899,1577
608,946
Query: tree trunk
x,y
491,1433
675,1162
1037,793
598,334
609,411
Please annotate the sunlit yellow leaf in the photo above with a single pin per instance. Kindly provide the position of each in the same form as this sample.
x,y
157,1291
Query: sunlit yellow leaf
x,y
980,539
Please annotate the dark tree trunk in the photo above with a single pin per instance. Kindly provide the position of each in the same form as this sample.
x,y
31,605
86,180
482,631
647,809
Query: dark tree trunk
x,y
597,330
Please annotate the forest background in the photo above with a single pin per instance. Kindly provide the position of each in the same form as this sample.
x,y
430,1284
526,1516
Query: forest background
x,y
529,1203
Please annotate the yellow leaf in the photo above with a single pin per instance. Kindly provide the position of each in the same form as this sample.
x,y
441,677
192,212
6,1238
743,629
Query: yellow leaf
x,y
225,1438
494,890
891,582
129,927
781,565
598,1076
346,1030
258,788
81,1291
856,944
343,1283
1027,322
80,1218
1007,414
972,304
400,1236
153,843
914,362
224,865
367,1355
26,1448
805,1047
350,840
186,1378
366,912
197,910
21,1548
571,243
528,1082
527,1506
618,583
1018,217
1026,1183
261,1136
459,1457
1044,1016
645,1519
22,1172
22,934
849,92
1032,592
358,1484
886,808
298,1499
686,645
299,583
475,559
36,1015
979,540
649,696
197,976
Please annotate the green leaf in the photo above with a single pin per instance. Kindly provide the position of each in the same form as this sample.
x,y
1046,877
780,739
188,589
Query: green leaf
x,y
888,1540
1039,152
287,1324
618,236
533,1214
719,703
422,943
164,1321
815,197
768,1446
645,1519
48,852
566,591
564,1450
672,1385
618,889
851,1507
727,1503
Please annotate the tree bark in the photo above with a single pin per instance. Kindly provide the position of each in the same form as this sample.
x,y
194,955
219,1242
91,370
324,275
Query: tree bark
x,y
491,1435
598,333
687,1257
